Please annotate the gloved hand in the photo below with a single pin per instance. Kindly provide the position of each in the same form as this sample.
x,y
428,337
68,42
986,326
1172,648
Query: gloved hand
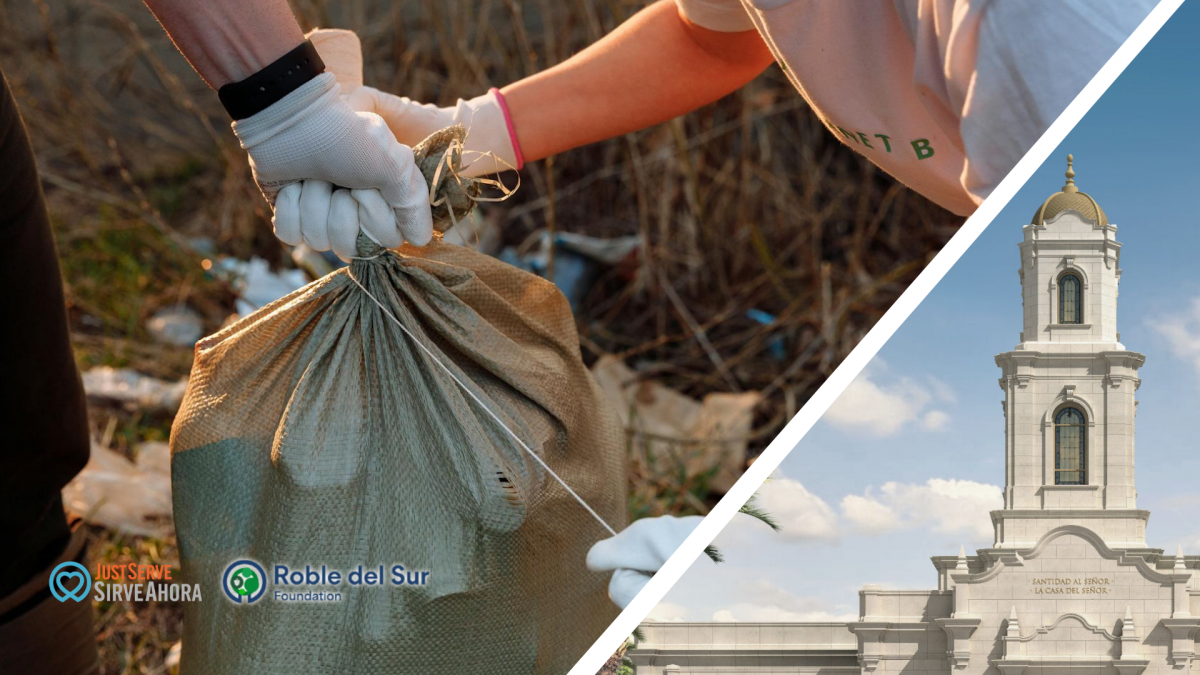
x,y
638,552
491,145
313,135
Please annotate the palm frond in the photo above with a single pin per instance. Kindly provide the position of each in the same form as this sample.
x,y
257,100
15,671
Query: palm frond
x,y
752,509
714,553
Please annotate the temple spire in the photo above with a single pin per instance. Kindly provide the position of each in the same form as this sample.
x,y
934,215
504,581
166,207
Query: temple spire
x,y
1070,186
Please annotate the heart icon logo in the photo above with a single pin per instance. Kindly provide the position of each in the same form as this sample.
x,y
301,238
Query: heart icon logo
x,y
70,575
70,581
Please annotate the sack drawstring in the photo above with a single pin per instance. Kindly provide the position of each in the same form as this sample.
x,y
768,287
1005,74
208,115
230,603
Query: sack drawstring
x,y
483,405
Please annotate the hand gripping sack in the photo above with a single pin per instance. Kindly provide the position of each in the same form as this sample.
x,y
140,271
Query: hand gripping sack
x,y
316,432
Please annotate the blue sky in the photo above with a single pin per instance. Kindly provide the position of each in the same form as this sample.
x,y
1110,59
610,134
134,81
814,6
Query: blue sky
x,y
936,429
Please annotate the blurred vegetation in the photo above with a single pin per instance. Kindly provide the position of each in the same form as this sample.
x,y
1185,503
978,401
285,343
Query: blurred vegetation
x,y
746,204
135,637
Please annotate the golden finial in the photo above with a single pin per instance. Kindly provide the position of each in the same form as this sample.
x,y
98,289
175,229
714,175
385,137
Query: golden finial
x,y
1070,186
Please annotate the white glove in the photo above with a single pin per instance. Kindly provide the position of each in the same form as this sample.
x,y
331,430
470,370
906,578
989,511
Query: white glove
x,y
638,552
312,135
491,145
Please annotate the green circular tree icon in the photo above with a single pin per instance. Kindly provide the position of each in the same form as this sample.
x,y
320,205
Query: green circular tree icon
x,y
245,582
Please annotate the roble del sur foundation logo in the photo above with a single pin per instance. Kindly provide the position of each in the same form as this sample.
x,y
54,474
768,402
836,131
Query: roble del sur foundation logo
x,y
244,581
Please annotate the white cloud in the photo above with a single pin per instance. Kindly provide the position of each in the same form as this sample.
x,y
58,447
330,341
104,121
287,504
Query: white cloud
x,y
801,514
941,390
724,616
935,420
668,612
945,506
883,409
763,601
868,515
1182,333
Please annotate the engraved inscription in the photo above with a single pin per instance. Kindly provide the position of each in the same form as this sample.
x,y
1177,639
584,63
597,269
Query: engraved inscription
x,y
1071,585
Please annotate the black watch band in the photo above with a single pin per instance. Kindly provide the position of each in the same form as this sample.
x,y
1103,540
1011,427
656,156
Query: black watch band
x,y
264,88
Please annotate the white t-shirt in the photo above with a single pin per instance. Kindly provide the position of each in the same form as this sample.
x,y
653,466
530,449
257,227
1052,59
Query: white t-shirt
x,y
944,95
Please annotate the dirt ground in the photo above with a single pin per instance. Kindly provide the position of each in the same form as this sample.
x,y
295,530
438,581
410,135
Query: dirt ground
x,y
747,204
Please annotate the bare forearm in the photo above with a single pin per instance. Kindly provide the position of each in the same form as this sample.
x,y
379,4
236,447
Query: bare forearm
x,y
652,68
228,40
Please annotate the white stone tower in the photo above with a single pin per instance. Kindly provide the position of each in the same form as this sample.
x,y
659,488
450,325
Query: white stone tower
x,y
1069,385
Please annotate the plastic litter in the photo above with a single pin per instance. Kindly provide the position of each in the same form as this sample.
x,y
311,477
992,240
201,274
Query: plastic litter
x,y
607,251
315,263
171,662
129,497
181,326
124,385
577,260
775,345
256,284
707,434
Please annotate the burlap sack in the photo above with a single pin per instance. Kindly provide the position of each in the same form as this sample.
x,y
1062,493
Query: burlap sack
x,y
315,432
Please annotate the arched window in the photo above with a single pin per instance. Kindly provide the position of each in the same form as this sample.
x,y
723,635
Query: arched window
x,y
1070,299
1070,448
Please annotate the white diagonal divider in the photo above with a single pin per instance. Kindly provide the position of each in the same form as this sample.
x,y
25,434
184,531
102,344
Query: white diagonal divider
x,y
871,343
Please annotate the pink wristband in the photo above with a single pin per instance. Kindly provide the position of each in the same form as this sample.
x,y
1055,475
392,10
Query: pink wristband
x,y
512,133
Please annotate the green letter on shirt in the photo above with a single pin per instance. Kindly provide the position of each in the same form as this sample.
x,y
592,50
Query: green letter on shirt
x,y
922,148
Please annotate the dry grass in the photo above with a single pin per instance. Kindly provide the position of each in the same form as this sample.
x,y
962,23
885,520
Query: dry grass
x,y
747,204
135,637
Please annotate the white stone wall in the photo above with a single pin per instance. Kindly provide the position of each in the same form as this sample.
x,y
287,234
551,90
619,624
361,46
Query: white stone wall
x,y
897,631
1043,616
1037,385
1022,529
1082,366
1070,243
743,648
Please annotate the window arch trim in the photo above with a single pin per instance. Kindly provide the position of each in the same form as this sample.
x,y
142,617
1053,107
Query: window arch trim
x,y
1070,313
1070,445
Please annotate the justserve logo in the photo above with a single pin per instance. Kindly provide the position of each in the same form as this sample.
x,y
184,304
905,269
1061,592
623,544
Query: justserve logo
x,y
244,581
126,582
70,581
